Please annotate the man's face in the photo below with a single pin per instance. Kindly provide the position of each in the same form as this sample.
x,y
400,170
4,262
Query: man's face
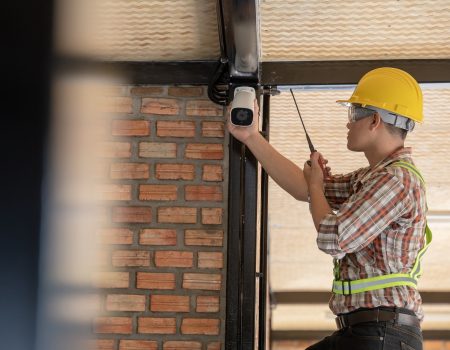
x,y
358,136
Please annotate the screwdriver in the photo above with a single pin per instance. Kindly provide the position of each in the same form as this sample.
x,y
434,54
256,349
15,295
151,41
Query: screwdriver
x,y
310,144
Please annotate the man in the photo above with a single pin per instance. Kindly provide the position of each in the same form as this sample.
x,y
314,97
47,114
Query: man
x,y
371,221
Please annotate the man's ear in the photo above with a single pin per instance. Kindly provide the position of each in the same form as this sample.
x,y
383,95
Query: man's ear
x,y
375,122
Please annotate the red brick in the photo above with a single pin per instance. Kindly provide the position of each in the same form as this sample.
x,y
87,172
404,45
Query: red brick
x,y
155,280
117,104
203,108
207,303
174,259
205,281
212,172
132,214
125,302
175,129
204,151
203,326
157,150
169,303
101,215
162,106
129,171
212,216
117,325
212,238
101,170
185,91
113,150
213,346
177,215
101,258
210,260
175,171
121,258
115,236
182,345
130,128
213,129
111,90
203,193
159,237
110,279
101,344
147,90
158,325
157,192
113,192
138,345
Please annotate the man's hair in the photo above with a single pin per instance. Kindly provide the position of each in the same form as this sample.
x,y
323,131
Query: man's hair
x,y
396,131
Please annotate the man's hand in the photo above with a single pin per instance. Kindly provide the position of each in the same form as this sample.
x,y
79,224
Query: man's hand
x,y
314,174
243,133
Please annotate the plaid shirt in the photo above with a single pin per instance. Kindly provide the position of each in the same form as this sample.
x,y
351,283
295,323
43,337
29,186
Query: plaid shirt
x,y
377,229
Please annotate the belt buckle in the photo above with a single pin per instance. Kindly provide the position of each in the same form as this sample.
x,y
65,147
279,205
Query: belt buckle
x,y
349,287
339,322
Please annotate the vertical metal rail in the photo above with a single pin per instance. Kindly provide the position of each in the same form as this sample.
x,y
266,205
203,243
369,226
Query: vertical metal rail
x,y
249,250
233,303
241,258
264,254
239,36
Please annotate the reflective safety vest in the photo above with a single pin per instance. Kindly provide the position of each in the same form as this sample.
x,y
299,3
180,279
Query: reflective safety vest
x,y
385,281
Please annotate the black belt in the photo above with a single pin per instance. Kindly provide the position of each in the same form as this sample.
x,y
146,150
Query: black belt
x,y
377,315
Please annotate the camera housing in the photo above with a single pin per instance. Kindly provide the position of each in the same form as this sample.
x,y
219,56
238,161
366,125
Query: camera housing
x,y
243,104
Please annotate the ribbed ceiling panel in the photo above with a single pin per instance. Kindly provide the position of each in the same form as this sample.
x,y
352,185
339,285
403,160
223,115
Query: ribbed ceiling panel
x,y
137,30
294,30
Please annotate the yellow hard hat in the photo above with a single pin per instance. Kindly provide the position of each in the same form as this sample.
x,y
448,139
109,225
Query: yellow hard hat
x,y
391,89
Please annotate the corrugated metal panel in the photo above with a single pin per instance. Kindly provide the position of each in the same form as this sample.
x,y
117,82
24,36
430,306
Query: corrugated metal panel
x,y
351,30
137,30
296,263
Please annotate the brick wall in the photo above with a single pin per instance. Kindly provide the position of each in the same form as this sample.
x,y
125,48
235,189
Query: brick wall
x,y
162,180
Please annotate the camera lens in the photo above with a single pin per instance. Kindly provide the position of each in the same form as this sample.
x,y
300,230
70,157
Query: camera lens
x,y
242,115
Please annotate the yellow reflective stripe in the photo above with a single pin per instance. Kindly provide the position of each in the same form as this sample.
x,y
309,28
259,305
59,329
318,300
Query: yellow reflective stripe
x,y
411,167
373,283
416,272
376,287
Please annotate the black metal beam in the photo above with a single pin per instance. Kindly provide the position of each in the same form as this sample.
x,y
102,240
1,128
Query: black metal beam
x,y
263,250
143,73
349,72
318,297
272,73
234,259
241,37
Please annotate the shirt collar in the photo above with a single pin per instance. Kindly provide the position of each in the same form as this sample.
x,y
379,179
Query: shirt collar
x,y
402,153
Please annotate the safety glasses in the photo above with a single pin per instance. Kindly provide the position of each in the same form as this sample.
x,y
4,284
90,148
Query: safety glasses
x,y
356,113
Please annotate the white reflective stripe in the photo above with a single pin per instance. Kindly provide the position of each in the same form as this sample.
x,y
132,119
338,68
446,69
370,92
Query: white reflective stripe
x,y
359,286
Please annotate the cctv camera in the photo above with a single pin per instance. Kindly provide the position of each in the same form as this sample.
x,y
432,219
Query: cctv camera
x,y
243,103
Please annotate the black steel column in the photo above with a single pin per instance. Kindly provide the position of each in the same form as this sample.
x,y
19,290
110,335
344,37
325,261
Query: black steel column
x,y
264,253
233,301
248,295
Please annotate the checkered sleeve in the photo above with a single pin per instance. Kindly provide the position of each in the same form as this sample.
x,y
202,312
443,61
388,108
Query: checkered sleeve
x,y
339,187
359,220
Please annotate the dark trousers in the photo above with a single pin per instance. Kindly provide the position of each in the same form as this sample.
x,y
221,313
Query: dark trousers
x,y
373,336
